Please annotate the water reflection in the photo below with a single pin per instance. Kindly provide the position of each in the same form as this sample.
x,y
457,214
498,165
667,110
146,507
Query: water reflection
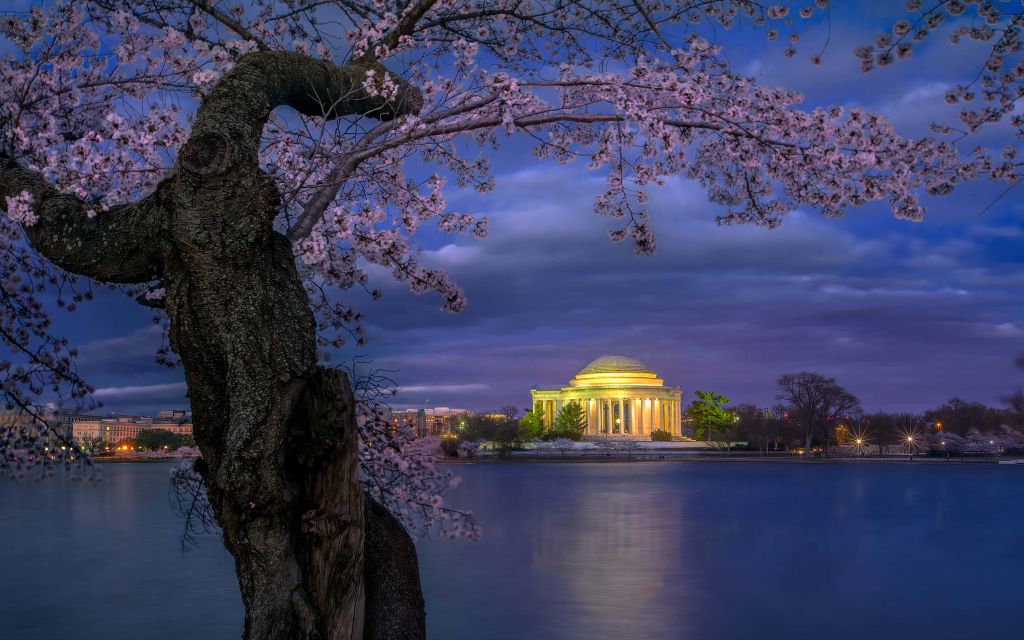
x,y
732,551
708,551
105,561
618,552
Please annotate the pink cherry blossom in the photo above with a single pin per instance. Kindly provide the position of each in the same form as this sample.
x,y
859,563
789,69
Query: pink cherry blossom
x,y
98,97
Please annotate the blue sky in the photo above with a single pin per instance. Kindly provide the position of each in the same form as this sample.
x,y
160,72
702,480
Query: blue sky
x,y
903,314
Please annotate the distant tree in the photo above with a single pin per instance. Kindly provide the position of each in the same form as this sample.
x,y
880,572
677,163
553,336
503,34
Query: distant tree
x,y
156,439
661,435
450,446
758,426
126,444
511,413
563,445
709,415
570,423
628,447
816,403
477,428
506,437
531,425
1015,400
92,444
959,416
883,429
467,449
944,443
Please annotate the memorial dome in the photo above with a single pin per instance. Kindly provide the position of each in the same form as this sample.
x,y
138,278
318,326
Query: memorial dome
x,y
616,364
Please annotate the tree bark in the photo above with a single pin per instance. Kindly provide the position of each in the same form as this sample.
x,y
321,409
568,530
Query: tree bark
x,y
315,560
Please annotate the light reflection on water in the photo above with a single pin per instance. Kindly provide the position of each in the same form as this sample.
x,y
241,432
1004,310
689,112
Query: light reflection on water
x,y
733,551
617,552
588,550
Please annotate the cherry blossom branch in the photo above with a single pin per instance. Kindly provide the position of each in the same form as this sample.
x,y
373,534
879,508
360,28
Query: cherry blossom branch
x,y
208,7
345,166
406,24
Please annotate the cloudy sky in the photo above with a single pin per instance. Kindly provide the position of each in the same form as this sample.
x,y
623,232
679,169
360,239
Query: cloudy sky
x,y
903,314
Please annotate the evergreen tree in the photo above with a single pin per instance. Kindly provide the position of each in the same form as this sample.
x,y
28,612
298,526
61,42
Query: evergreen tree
x,y
570,422
531,425
708,414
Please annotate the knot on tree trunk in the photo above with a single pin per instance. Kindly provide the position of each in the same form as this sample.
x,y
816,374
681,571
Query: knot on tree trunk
x,y
206,154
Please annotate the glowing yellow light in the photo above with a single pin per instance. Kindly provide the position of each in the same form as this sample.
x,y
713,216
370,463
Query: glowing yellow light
x,y
859,440
910,438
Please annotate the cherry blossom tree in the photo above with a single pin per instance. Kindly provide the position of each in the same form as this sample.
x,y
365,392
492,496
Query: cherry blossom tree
x,y
238,167
990,101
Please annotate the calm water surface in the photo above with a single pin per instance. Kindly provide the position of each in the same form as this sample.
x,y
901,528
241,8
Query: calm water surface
x,y
698,550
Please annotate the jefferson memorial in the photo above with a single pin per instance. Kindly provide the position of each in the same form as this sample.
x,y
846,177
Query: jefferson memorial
x,y
620,396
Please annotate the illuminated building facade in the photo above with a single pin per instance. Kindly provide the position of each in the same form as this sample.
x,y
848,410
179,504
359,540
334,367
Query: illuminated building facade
x,y
620,396
16,420
116,429
432,421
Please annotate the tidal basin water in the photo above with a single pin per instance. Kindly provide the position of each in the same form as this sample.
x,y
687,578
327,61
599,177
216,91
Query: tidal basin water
x,y
692,550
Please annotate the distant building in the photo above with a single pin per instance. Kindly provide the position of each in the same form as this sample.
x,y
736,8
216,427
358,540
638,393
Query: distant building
x,y
17,419
620,396
14,420
175,414
433,421
114,429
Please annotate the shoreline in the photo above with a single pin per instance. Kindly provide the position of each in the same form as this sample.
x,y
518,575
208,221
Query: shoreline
x,y
733,458
124,460
689,457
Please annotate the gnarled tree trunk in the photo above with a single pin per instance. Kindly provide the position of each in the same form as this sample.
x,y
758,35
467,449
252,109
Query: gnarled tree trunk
x,y
315,559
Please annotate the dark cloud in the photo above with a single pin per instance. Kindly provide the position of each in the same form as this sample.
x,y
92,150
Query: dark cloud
x,y
905,314
120,354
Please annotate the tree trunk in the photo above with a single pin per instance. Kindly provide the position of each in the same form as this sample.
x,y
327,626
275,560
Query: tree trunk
x,y
278,434
280,442
280,451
